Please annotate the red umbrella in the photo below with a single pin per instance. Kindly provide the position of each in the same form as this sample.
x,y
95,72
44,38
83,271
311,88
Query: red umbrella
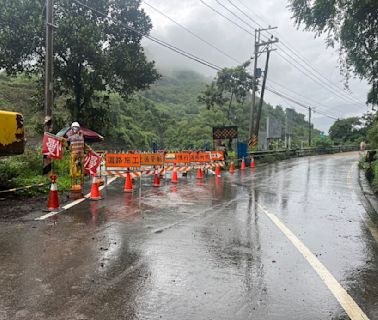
x,y
89,135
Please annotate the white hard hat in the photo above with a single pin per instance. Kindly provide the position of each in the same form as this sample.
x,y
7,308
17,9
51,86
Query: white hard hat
x,y
75,124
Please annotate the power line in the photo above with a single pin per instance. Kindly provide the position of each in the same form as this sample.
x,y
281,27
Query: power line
x,y
192,33
198,37
296,54
189,55
310,73
222,5
228,19
270,89
309,100
158,41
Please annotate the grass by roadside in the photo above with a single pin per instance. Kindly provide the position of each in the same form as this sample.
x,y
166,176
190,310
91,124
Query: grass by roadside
x,y
24,170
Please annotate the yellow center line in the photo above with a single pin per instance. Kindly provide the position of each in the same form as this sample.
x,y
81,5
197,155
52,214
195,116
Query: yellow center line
x,y
346,301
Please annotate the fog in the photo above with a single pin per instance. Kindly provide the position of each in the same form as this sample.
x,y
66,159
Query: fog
x,y
238,44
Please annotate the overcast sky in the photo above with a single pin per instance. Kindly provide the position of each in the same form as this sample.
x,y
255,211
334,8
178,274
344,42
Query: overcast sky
x,y
238,44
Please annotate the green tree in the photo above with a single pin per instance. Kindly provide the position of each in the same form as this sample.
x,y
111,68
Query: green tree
x,y
353,24
347,130
231,85
93,52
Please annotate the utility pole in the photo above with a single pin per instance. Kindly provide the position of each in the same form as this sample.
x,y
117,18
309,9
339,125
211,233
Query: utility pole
x,y
309,126
49,87
251,141
257,123
254,119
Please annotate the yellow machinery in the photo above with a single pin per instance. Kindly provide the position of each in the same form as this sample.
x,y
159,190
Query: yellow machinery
x,y
12,139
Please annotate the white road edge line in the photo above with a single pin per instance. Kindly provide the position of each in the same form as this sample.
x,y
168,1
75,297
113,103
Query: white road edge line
x,y
345,300
71,204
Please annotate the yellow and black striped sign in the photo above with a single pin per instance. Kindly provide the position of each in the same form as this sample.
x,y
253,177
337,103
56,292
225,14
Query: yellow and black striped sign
x,y
252,142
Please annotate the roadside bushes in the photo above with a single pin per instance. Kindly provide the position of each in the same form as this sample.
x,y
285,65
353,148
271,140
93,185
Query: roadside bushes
x,y
26,169
369,163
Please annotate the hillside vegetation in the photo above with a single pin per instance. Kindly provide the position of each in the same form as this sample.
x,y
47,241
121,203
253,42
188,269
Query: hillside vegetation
x,y
168,114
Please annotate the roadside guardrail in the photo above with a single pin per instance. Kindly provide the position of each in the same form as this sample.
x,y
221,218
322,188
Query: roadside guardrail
x,y
304,152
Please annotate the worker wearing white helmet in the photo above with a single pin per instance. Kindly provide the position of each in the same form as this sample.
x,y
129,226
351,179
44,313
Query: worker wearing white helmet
x,y
76,140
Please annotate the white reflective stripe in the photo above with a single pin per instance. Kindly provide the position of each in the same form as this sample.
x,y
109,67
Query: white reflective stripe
x,y
345,300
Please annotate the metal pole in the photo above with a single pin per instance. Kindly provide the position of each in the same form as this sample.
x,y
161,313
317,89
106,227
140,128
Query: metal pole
x,y
257,126
309,126
252,112
49,98
49,88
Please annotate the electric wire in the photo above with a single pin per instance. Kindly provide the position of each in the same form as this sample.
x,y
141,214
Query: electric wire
x,y
225,17
158,41
310,73
288,47
191,32
314,109
193,57
188,30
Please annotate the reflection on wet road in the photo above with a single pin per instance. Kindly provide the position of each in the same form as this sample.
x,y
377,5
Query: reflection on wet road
x,y
200,250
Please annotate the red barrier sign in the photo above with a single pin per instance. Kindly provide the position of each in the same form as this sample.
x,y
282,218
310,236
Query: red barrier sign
x,y
151,159
52,146
122,160
91,162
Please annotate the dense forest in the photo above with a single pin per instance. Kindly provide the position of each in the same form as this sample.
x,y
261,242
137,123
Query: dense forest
x,y
168,114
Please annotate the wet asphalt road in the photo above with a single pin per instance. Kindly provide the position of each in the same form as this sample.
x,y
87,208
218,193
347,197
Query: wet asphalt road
x,y
199,250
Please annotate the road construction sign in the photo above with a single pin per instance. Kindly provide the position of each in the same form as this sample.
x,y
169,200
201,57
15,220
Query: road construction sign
x,y
123,160
151,159
177,157
216,155
199,157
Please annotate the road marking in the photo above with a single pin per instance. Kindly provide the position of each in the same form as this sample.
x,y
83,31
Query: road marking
x,y
346,301
71,204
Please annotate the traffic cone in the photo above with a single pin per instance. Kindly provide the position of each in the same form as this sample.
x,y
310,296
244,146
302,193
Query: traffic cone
x,y
174,175
53,203
242,165
128,183
232,167
252,164
156,182
95,191
199,174
217,170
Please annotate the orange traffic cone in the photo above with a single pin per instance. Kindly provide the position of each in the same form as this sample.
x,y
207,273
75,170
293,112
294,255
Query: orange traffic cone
x,y
95,191
199,174
242,165
128,183
174,175
156,182
252,164
232,167
217,170
53,203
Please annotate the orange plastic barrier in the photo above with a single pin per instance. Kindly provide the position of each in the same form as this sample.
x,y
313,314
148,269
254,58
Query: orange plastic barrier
x,y
151,159
122,160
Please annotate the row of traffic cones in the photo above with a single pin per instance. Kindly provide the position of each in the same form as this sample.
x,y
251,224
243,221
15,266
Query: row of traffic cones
x,y
53,202
243,166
